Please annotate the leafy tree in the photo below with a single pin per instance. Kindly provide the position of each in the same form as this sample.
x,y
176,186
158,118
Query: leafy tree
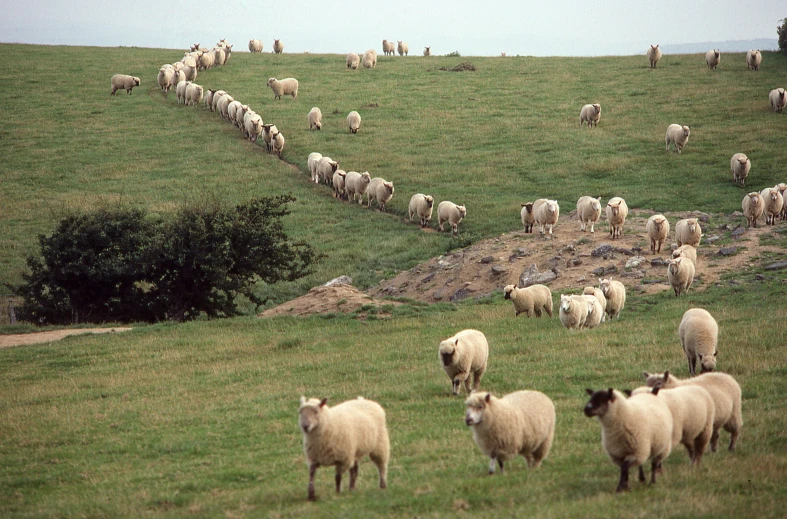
x,y
781,30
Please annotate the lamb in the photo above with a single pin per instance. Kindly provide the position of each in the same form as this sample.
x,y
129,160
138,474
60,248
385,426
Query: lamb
x,y
740,165
353,60
123,82
403,48
252,125
356,184
315,118
326,168
686,251
726,395
615,292
369,59
180,91
280,87
777,98
699,335
463,355
338,183
772,204
193,94
532,300
277,143
388,48
591,114
598,294
341,435
617,211
278,46
573,311
354,121
427,51
680,273
588,212
451,213
657,229
164,78
677,134
527,216
255,46
381,190
654,55
546,213
311,163
422,206
712,58
753,60
633,430
269,131
595,312
688,231
753,206
522,422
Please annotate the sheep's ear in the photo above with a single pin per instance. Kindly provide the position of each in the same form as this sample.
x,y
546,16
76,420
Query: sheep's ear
x,y
700,356
303,399
665,376
456,343
323,402
655,390
488,397
715,353
589,391
611,395
645,374
627,391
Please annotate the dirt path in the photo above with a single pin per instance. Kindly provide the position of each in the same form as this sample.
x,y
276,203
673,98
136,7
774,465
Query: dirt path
x,y
7,341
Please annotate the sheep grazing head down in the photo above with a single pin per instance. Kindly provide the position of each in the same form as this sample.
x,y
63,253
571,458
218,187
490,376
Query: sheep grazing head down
x,y
707,362
476,404
309,413
599,402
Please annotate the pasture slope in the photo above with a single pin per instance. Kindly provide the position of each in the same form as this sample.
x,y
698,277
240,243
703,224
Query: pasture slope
x,y
200,419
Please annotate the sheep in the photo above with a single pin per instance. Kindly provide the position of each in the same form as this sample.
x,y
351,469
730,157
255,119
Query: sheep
x,y
522,422
232,111
123,82
278,46
190,72
315,118
688,231
680,273
326,167
772,204
777,98
180,91
588,212
657,229
353,60
356,184
783,191
699,335
532,300
341,435
206,61
403,48
240,115
369,59
252,125
615,292
193,94
633,430
545,213
677,134
422,206
527,216
573,311
208,98
164,77
223,103
686,251
693,413
463,355
269,131
176,77
591,114
595,311
381,190
227,52
354,121
280,87
712,58
726,395
311,163
617,211
338,183
451,213
388,48
753,60
219,56
190,59
654,55
277,143
218,94
178,65
255,46
427,51
195,47
598,294
740,165
753,207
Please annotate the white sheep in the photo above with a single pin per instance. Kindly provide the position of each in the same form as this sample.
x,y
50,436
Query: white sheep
x,y
176,77
369,59
341,435
380,190
353,60
532,300
164,78
326,167
462,356
546,213
680,273
240,116
654,55
686,251
753,206
388,48
218,94
427,51
526,214
615,292
255,46
311,163
219,56
588,212
591,114
772,204
338,183
232,111
677,134
123,82
193,94
451,213
725,392
573,311
207,99
252,125
206,60
740,165
223,104
521,423
712,58
783,191
190,73
657,229
753,59
277,143
403,48
354,121
278,46
180,91
286,87
315,118
421,205
699,335
269,131
595,312
688,231
617,210
777,98
356,185
598,294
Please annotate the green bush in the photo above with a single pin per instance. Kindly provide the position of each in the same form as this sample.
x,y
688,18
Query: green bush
x,y
781,30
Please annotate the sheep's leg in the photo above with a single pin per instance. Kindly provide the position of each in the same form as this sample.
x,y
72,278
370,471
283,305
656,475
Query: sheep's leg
x,y
691,369
491,466
312,470
339,469
733,436
641,474
455,386
353,475
624,476
714,439
467,384
654,468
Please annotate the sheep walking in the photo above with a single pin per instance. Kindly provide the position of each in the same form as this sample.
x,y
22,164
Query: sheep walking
x,y
772,204
123,82
712,59
388,48
595,311
598,294
617,211
356,184
427,51
677,134
588,212
686,251
531,301
590,114
783,191
462,356
680,273
688,232
284,87
380,190
699,335
528,219
403,48
753,60
326,167
421,205
615,292
573,311
338,184
753,206
311,164
164,77
654,55
657,229
778,98
740,165
451,213
546,213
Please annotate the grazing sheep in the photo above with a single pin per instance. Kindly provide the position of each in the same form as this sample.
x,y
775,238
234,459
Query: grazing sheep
x,y
654,55
369,59
633,430
123,82
588,212
546,213
657,229
595,312
753,207
753,60
615,292
341,435
278,46
353,60
688,231
598,294
356,185
193,94
726,395
381,190
591,114
277,144
777,98
286,87
686,251
617,211
252,125
403,48
311,163
772,204
522,422
164,78
530,300
699,334
740,165
422,206
269,131
712,58
528,219
677,134
338,184
180,91
255,46
463,355
388,48
427,51
451,213
573,311
326,168
680,272
354,121
315,118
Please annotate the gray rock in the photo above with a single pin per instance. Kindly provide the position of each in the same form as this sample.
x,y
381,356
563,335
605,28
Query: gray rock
x,y
499,269
487,259
712,239
459,295
636,274
738,231
627,252
601,250
777,266
727,251
658,262
438,294
341,280
759,277
634,262
531,276
602,271
428,278
736,214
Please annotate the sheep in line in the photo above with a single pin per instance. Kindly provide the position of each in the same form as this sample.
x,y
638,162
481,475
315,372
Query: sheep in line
x,y
222,105
356,184
312,162
255,46
369,59
688,231
451,213
176,77
546,213
180,91
354,121
286,87
686,251
388,48
123,82
677,134
164,78
532,300
772,204
252,125
615,292
219,56
591,114
277,144
338,184
326,168
599,295
528,219
278,46
617,211
218,94
783,191
699,336
403,48
712,59
353,60
462,356
269,131
422,206
778,98
753,60
657,229
588,212
380,190
315,118
680,273
740,165
654,55
573,311
753,207
194,94
206,60
595,311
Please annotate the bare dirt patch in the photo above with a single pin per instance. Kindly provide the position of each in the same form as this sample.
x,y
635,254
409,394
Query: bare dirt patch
x,y
323,300
7,341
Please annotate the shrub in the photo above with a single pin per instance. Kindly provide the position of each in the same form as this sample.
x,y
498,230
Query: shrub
x,y
781,30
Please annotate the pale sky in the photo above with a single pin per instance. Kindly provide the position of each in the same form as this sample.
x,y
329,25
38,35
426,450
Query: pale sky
x,y
526,27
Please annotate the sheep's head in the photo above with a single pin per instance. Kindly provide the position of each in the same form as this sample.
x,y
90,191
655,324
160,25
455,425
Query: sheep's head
x,y
476,403
674,265
309,413
743,160
462,211
615,208
599,402
366,176
275,41
754,198
716,53
597,107
686,131
271,81
342,173
692,225
136,81
447,351
591,291
429,199
658,222
565,303
657,380
708,362
334,165
596,204
529,207
507,291
604,285
389,186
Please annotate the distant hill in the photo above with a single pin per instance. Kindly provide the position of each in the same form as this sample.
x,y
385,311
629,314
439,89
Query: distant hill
x,y
723,46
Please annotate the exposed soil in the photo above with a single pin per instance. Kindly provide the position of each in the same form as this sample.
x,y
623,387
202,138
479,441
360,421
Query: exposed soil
x,y
6,341
323,300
